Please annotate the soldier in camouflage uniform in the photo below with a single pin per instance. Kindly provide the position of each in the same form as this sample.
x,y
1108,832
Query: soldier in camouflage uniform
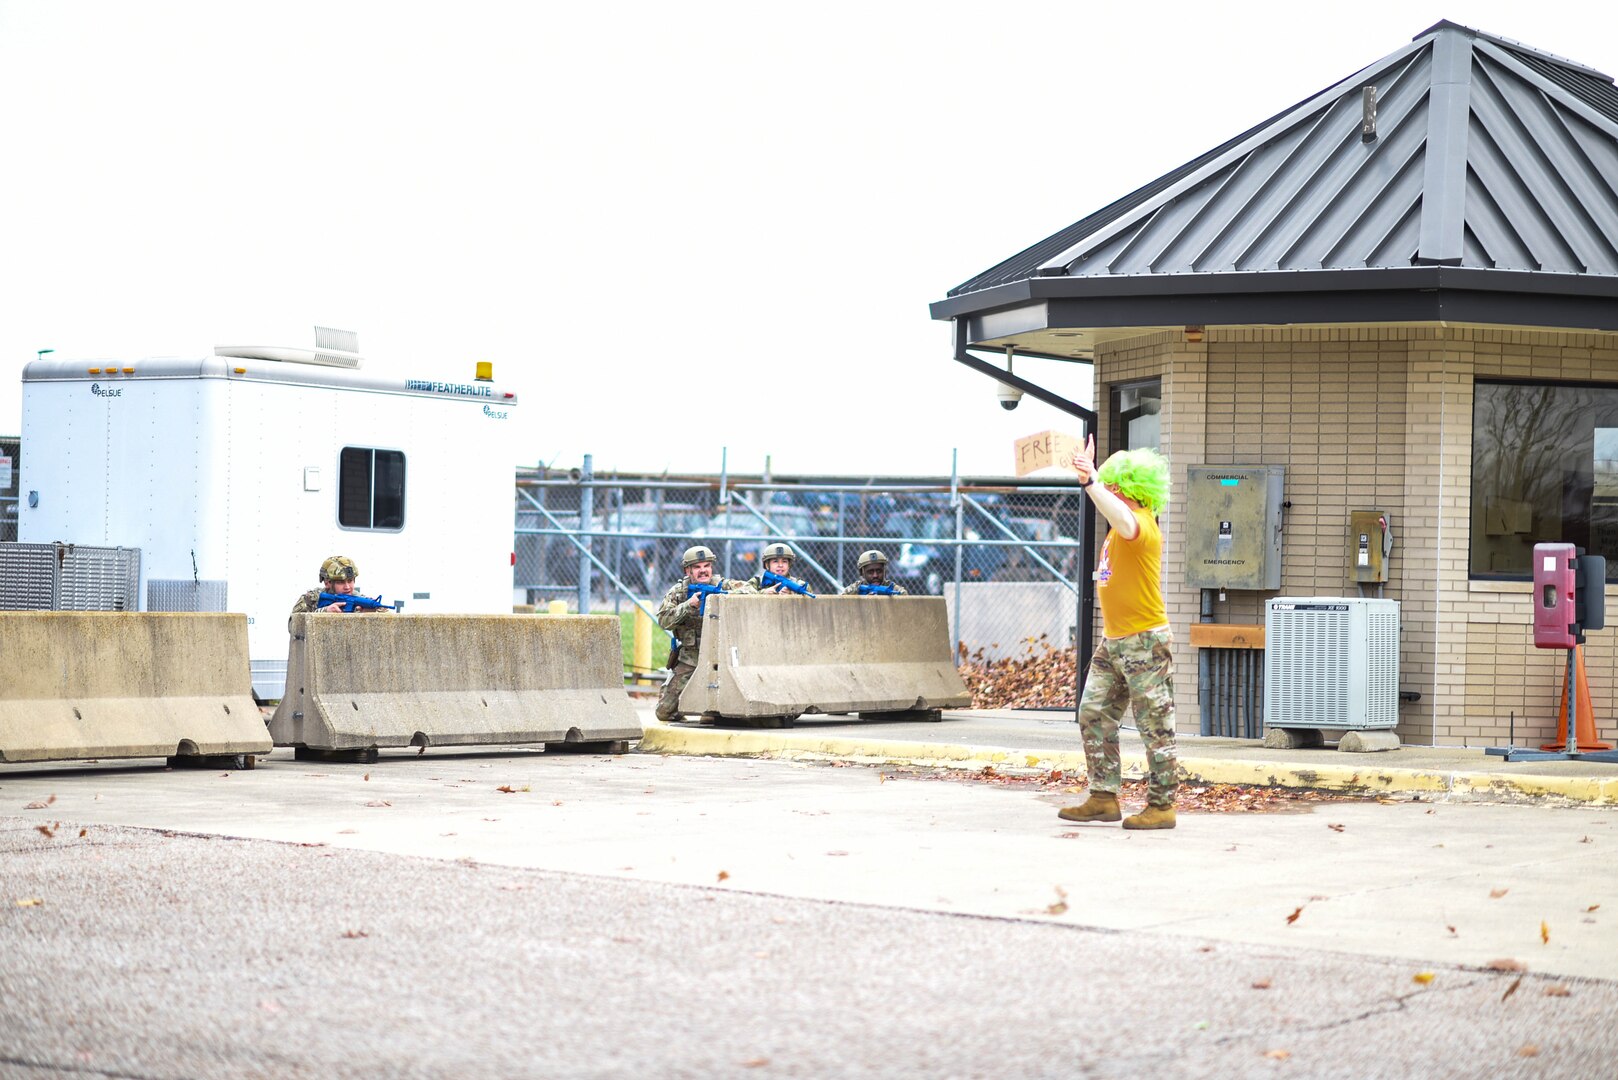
x,y
681,616
777,559
1132,667
339,575
873,567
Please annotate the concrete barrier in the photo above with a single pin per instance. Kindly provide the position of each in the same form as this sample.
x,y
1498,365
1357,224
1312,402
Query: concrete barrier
x,y
772,656
357,682
117,684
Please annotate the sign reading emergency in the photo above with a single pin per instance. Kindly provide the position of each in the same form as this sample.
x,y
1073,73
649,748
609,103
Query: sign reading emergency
x,y
1044,450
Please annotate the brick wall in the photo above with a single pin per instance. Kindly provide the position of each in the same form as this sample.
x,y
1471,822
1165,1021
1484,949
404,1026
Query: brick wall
x,y
1371,418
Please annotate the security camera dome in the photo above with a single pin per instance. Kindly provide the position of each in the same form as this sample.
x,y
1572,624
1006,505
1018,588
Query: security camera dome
x,y
1009,396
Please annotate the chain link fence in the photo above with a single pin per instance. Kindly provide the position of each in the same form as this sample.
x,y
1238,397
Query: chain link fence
x,y
1005,557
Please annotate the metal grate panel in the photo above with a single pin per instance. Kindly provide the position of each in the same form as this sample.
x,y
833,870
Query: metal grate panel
x,y
98,579
27,577
69,577
183,595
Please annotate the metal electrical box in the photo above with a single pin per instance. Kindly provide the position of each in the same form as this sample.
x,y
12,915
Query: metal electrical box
x,y
1370,543
1233,526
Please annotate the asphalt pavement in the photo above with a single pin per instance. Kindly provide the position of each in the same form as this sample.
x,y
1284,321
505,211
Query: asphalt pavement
x,y
518,913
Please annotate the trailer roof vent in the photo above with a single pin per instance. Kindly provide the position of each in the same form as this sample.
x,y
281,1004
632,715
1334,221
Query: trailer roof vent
x,y
333,348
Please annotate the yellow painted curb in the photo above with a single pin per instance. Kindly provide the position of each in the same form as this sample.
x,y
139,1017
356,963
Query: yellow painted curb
x,y
802,746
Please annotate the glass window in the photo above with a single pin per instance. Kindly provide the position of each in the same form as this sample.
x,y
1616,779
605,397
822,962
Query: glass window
x,y
1135,415
1544,468
370,488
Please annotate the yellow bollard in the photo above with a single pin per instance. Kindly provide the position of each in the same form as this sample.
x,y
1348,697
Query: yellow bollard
x,y
643,646
556,607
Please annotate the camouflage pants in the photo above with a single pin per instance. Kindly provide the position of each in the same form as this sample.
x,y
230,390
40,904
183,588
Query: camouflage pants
x,y
668,702
1135,671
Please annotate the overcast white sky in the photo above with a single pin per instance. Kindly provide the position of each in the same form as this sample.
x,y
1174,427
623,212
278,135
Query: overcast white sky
x,y
671,227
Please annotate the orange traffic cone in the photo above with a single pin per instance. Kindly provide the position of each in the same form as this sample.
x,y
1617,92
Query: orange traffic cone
x,y
1585,731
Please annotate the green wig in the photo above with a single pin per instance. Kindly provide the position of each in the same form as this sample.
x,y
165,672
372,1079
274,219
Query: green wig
x,y
1141,475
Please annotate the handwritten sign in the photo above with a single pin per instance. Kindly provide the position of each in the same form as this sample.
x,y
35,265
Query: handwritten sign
x,y
1044,450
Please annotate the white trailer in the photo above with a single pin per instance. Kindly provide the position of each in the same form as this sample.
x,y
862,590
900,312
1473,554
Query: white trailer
x,y
237,474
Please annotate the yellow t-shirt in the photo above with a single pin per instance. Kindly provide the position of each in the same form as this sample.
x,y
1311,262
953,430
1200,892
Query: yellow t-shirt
x,y
1127,580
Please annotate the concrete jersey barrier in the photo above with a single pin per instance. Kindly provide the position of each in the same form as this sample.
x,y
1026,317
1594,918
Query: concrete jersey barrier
x,y
120,684
767,656
355,682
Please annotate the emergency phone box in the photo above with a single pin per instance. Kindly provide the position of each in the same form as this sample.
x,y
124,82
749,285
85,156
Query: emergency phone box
x,y
1555,584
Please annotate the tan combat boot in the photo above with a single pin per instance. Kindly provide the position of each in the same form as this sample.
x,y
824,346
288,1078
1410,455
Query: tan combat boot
x,y
1153,817
1100,806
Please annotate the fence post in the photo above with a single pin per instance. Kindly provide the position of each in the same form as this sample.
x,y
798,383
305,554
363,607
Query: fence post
x,y
724,499
955,501
586,512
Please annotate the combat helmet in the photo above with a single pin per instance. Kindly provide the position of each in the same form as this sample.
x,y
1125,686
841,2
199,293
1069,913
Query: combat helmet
x,y
776,551
872,557
697,554
339,568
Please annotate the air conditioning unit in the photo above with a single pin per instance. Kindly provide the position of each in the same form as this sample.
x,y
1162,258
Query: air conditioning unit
x,y
1331,663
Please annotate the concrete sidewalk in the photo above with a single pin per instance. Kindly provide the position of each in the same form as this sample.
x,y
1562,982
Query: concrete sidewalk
x,y
1045,741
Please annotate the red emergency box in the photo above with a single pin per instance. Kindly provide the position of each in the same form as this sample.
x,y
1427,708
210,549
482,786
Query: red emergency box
x,y
1555,582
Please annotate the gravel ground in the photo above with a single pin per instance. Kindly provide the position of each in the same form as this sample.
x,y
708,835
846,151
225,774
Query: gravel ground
x,y
160,954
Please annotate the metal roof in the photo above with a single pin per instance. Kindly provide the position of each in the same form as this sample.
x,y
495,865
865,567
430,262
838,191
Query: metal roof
x,y
1487,155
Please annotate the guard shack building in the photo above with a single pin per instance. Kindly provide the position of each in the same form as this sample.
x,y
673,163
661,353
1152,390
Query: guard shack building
x,y
1402,291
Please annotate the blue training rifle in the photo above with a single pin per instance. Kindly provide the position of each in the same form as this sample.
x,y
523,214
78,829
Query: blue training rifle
x,y
771,580
694,589
877,590
356,602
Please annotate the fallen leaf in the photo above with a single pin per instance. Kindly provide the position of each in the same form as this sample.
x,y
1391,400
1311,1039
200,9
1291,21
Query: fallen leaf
x,y
1558,991
1261,984
379,802
506,788
724,874
1060,907
420,750
367,776
1201,1025
1528,1050
351,934
1592,907
755,1063
1512,989
1495,894
83,833
1582,839
1451,930
1544,933
40,804
47,831
1294,916
1336,828
1506,964
1425,978
1278,1055
31,901
1205,948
